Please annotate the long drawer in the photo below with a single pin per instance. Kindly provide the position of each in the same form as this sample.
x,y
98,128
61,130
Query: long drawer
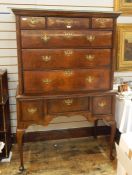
x,y
64,58
66,80
64,38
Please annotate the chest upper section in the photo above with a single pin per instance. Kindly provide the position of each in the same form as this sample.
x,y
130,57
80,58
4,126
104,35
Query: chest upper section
x,y
61,51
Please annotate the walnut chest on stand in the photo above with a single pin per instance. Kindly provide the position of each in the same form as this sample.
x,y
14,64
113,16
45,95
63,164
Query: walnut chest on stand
x,y
66,61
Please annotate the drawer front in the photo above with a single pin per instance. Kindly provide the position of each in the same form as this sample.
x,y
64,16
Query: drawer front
x,y
102,105
102,23
66,80
31,110
64,58
32,22
67,23
65,39
67,105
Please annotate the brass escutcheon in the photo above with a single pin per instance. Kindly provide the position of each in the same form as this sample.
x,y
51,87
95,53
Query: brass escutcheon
x,y
68,24
32,110
68,101
46,81
68,52
90,57
89,79
90,38
102,104
46,58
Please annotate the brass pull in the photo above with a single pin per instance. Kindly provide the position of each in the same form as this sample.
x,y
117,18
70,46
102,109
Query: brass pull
x,y
45,38
68,52
90,38
68,26
68,101
46,81
33,21
90,57
102,104
102,21
32,110
68,72
89,79
68,35
46,58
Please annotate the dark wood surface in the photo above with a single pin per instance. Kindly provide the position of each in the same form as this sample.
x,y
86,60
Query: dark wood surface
x,y
65,62
5,128
3,86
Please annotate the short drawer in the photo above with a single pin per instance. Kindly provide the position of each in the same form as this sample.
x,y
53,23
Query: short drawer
x,y
32,22
66,80
68,105
102,23
67,23
102,104
35,59
65,39
31,110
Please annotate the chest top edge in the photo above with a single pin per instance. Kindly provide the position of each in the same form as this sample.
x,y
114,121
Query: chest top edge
x,y
74,13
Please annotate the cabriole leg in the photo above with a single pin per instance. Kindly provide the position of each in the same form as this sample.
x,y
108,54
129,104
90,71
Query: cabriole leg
x,y
112,138
20,133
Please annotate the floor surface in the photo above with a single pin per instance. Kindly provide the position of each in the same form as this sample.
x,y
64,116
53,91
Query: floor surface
x,y
81,156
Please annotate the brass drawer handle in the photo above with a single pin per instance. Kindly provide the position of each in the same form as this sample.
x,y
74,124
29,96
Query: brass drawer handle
x,y
90,38
89,79
46,81
33,21
46,58
45,38
32,110
68,35
102,104
68,101
68,72
68,52
90,57
102,21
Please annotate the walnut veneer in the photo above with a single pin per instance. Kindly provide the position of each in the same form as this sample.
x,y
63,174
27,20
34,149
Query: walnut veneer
x,y
66,61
